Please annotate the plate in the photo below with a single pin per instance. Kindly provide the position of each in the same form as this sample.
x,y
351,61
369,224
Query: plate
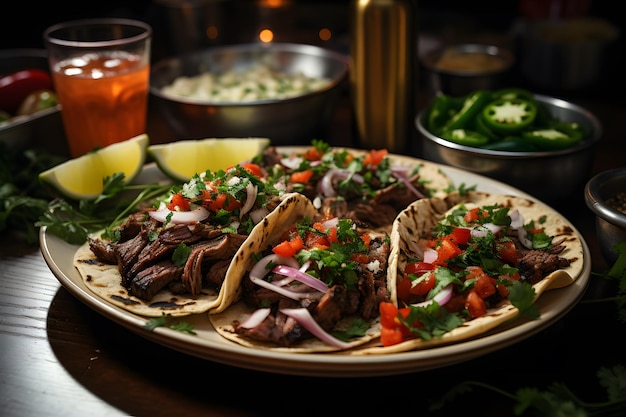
x,y
207,344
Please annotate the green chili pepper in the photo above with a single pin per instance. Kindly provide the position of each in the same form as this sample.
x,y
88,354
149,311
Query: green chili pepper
x,y
512,93
472,105
441,110
509,116
465,137
559,135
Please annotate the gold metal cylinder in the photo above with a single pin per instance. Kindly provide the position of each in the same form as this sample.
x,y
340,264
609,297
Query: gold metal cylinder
x,y
383,74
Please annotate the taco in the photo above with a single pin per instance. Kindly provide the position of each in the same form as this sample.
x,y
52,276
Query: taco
x,y
370,187
174,258
465,264
306,283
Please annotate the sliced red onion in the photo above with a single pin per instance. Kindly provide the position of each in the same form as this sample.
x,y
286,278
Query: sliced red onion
x,y
400,174
301,276
259,270
255,318
304,318
180,217
251,193
294,295
442,297
330,223
326,186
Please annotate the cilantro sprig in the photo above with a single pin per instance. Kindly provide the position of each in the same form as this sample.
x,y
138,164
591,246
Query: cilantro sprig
x,y
73,221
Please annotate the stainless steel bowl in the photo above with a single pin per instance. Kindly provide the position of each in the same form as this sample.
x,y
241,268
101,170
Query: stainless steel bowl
x,y
44,128
458,70
548,175
290,121
610,222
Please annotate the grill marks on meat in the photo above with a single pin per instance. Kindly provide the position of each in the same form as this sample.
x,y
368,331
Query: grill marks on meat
x,y
337,303
146,266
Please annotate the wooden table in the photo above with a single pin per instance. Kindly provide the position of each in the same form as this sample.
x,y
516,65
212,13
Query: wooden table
x,y
60,358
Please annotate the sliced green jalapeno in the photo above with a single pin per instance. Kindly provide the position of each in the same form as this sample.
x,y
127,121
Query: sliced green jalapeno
x,y
472,105
465,137
441,110
559,135
509,116
512,93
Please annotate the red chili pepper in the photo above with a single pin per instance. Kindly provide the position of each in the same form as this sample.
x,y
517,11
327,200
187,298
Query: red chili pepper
x,y
15,87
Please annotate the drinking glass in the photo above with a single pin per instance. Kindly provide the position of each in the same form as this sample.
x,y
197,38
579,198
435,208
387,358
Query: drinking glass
x,y
101,72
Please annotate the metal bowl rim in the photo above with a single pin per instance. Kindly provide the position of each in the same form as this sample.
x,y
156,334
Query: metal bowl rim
x,y
492,50
597,202
553,101
253,47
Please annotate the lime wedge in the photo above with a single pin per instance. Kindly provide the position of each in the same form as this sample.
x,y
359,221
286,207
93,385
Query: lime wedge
x,y
183,159
81,178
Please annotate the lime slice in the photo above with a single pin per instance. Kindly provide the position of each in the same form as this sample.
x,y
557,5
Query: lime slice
x,y
183,159
81,178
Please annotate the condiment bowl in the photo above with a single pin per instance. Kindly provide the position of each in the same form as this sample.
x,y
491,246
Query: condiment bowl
x,y
601,193
551,176
20,132
458,70
286,121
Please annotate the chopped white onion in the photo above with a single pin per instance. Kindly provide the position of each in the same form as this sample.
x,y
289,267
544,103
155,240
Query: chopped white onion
x,y
304,318
251,193
255,318
522,233
291,162
517,220
430,255
180,217
258,214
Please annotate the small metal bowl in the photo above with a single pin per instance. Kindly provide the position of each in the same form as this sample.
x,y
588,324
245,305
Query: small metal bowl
x,y
610,222
289,121
458,70
23,131
551,176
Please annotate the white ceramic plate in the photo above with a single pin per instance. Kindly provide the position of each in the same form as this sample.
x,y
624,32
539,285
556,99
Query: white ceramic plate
x,y
207,344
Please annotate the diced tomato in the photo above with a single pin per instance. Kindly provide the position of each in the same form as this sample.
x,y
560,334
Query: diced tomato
x,y
418,267
314,240
474,214
301,177
375,157
366,239
507,252
179,202
485,286
312,154
460,235
447,250
456,304
391,336
423,284
254,169
475,305
332,235
503,290
222,202
289,248
392,330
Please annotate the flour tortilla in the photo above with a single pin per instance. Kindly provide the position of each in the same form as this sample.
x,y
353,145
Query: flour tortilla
x,y
233,308
420,217
105,280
